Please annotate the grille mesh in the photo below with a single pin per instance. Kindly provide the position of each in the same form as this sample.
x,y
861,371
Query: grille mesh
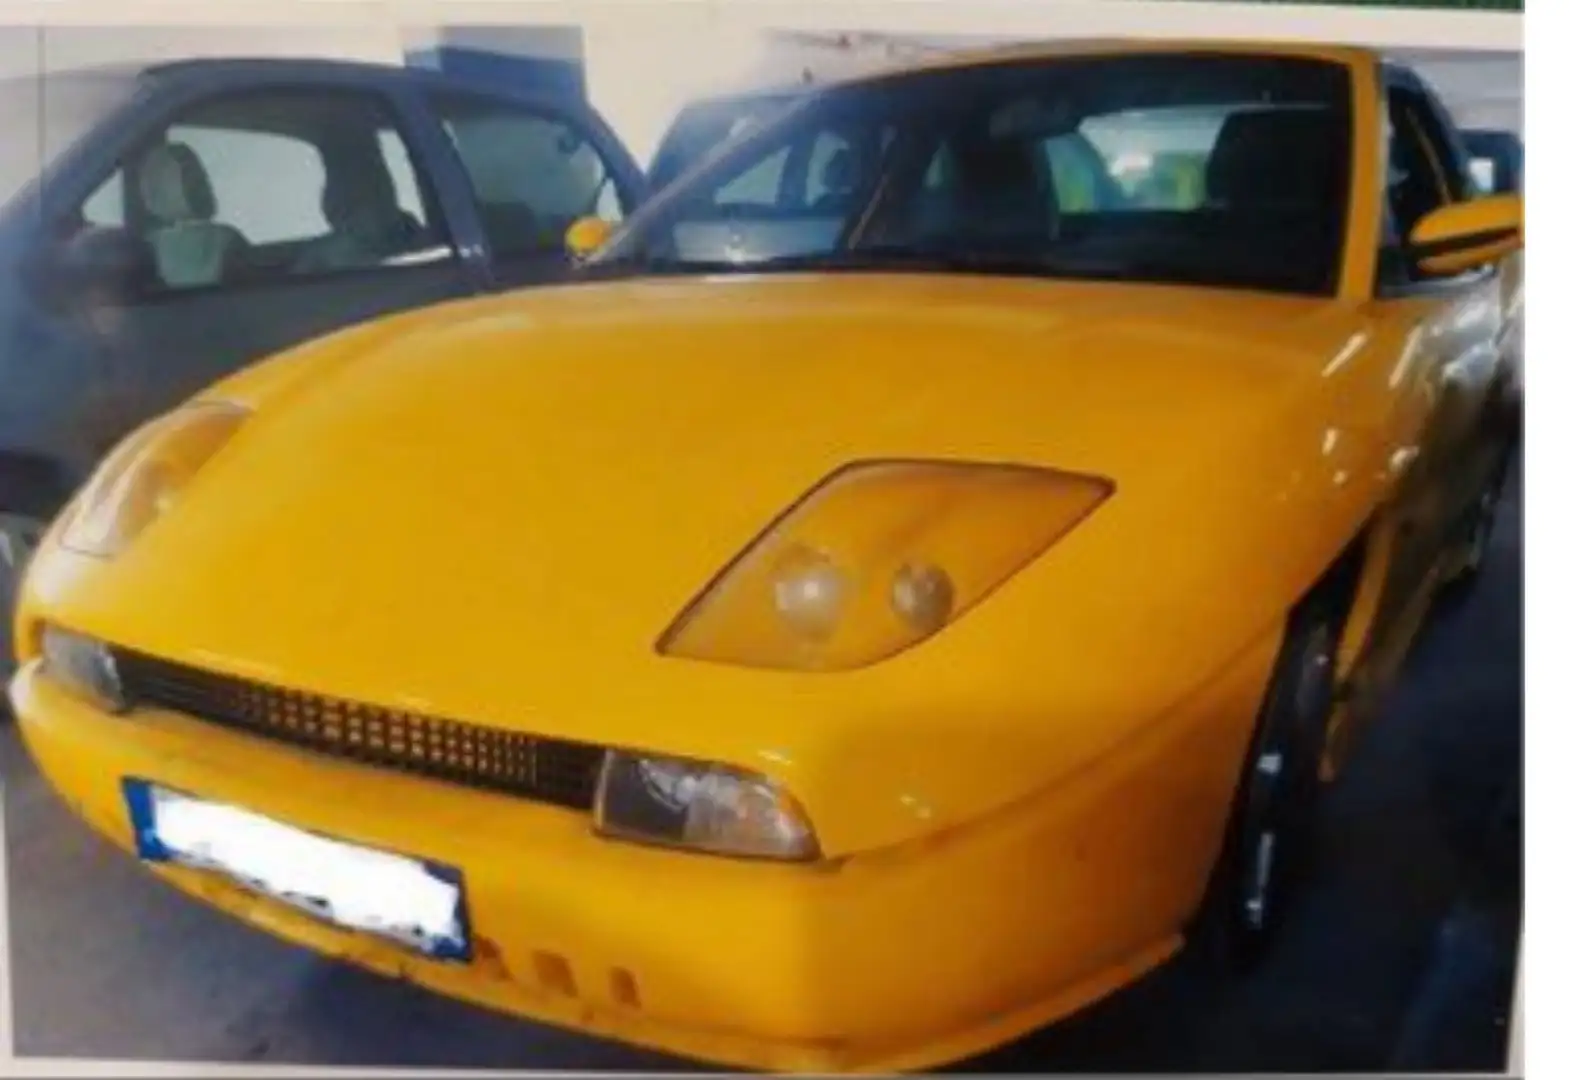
x,y
545,770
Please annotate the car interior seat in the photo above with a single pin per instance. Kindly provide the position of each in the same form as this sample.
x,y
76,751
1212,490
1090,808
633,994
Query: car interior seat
x,y
1276,160
189,247
1001,195
368,225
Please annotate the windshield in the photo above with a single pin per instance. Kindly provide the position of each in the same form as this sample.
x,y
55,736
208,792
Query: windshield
x,y
1226,170
45,115
700,128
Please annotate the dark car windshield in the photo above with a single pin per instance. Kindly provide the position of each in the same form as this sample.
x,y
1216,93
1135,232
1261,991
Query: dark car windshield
x,y
1213,169
702,127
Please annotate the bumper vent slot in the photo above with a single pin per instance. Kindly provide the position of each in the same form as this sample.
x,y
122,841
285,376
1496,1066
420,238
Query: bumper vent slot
x,y
544,770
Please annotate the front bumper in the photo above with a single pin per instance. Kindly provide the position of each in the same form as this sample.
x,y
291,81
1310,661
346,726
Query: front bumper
x,y
902,959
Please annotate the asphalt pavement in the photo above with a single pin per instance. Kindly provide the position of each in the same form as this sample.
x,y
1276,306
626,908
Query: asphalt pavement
x,y
1400,955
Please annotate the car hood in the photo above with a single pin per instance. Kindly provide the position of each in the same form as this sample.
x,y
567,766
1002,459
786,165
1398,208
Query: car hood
x,y
492,509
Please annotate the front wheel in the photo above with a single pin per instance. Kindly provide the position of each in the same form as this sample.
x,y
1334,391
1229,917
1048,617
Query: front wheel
x,y
1271,831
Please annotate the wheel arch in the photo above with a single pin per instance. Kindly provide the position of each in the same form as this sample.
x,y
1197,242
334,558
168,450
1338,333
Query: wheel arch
x,y
33,484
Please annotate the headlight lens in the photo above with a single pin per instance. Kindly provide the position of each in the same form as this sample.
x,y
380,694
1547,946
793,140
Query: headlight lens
x,y
145,474
85,667
876,558
700,806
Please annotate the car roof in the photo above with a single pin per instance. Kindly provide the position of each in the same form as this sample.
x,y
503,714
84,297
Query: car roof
x,y
201,69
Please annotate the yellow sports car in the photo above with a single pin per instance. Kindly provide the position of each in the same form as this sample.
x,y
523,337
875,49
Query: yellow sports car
x,y
873,611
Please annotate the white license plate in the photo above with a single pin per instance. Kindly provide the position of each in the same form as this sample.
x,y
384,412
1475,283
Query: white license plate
x,y
416,903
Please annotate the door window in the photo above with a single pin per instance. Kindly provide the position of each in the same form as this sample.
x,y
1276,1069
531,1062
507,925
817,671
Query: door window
x,y
533,174
271,187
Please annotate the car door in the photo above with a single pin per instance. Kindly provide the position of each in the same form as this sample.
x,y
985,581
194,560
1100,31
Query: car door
x,y
1449,372
531,169
269,214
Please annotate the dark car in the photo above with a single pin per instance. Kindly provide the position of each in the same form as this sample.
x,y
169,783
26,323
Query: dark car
x,y
1498,167
805,183
703,125
1497,160
182,220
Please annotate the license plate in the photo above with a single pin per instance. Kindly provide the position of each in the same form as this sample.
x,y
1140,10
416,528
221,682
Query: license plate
x,y
416,903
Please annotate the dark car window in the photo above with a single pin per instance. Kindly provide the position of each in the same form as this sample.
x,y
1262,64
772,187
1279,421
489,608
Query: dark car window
x,y
533,173
1176,168
1422,174
1497,162
271,186
700,129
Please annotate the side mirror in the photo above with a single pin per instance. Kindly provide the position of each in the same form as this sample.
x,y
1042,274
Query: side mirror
x,y
1467,235
587,235
92,268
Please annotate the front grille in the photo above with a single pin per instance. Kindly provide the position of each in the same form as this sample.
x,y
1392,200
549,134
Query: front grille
x,y
545,770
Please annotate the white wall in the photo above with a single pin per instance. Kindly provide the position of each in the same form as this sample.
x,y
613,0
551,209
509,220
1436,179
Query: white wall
x,y
641,69
19,128
1481,89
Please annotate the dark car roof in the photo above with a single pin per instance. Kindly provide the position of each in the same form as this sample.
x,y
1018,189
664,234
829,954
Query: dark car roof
x,y
221,69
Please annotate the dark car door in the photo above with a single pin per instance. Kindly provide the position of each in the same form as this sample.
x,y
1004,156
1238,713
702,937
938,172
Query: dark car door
x,y
1497,159
266,214
530,169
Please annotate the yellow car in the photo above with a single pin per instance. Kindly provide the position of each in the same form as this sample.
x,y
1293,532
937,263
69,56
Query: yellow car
x,y
870,613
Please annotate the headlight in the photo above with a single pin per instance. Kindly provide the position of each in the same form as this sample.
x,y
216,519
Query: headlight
x,y
700,806
876,558
83,666
143,476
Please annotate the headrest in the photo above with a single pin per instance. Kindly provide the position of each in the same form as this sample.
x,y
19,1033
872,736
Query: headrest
x,y
359,198
1277,157
843,172
998,165
174,186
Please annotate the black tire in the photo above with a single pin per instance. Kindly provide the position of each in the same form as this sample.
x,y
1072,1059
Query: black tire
x,y
1268,847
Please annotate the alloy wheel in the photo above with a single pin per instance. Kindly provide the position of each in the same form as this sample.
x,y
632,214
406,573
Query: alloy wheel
x,y
1284,781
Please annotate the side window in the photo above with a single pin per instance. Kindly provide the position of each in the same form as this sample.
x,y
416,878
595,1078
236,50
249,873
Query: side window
x,y
829,153
1078,173
758,186
269,187
1421,175
105,207
533,174
400,167
265,184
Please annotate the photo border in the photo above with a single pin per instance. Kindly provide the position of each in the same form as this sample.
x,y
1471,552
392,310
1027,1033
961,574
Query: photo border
x,y
1437,28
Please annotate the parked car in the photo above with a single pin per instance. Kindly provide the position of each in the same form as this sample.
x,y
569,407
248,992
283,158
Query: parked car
x,y
1498,166
703,125
863,630
195,216
1497,160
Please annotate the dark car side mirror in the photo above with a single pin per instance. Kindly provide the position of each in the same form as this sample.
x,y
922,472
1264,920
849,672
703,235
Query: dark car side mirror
x,y
94,267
